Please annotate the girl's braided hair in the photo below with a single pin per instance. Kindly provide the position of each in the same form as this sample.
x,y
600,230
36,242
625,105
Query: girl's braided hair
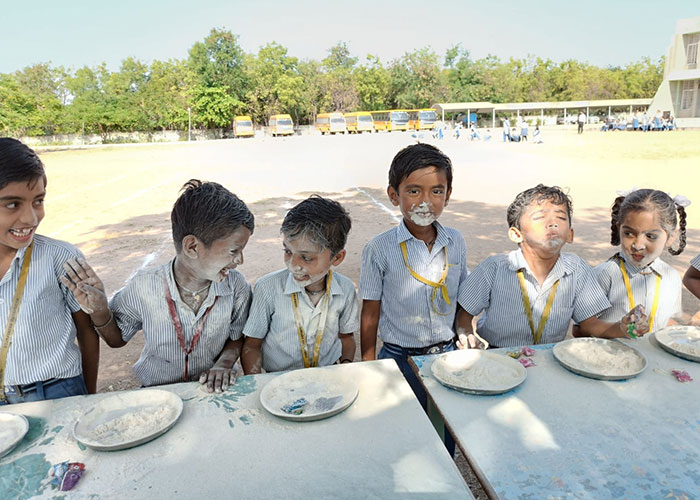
x,y
650,200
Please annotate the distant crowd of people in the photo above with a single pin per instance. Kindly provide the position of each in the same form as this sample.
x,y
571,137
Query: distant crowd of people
x,y
644,123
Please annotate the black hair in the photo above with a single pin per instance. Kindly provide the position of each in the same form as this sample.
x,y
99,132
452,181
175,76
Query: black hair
x,y
415,157
19,163
643,200
538,193
323,221
208,211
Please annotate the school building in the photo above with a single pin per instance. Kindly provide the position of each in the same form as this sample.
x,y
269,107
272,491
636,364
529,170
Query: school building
x,y
679,93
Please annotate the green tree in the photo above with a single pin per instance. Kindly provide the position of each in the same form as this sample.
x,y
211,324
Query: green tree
x,y
372,81
415,80
219,62
339,83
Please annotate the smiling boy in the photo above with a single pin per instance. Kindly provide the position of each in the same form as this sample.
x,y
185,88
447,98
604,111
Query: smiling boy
x,y
41,318
530,295
305,315
411,274
191,310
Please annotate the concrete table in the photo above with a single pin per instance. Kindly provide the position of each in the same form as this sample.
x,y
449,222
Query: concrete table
x,y
561,435
228,446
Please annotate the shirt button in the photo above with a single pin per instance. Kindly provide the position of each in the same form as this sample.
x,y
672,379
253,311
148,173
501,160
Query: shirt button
x,y
2,301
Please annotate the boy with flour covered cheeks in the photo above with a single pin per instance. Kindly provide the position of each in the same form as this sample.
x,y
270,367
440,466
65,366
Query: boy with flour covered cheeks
x,y
530,295
306,314
412,274
192,309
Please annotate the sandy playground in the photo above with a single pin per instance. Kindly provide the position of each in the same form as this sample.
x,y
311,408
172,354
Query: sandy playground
x,y
114,202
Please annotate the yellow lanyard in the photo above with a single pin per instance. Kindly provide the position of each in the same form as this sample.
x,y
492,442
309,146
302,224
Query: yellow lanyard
x,y
12,319
630,295
441,284
321,324
536,336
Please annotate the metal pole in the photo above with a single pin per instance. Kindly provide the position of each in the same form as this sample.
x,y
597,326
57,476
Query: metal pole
x,y
542,117
608,112
469,117
189,125
493,118
588,114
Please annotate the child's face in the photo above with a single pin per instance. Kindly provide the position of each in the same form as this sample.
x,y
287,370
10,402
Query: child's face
x,y
307,261
642,238
422,196
544,227
21,211
214,262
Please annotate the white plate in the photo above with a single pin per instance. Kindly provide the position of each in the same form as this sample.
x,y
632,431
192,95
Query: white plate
x,y
128,419
478,372
327,392
13,428
601,359
681,341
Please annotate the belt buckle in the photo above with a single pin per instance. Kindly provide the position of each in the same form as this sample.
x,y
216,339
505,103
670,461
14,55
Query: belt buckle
x,y
436,349
11,389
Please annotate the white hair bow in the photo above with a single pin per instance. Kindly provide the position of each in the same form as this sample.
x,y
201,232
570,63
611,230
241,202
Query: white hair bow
x,y
681,200
626,192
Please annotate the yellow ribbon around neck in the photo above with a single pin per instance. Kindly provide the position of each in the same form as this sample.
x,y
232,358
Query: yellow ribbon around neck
x,y
441,283
630,295
536,335
321,324
12,319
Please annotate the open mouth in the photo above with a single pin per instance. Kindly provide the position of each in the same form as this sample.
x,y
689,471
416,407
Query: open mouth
x,y
22,234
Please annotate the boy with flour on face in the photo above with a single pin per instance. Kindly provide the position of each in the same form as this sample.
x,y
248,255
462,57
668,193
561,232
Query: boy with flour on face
x,y
305,315
530,295
192,309
412,274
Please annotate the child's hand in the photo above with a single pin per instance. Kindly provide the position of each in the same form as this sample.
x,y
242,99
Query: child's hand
x,y
637,318
469,341
87,287
218,378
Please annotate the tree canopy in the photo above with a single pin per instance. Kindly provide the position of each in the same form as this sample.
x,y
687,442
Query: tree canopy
x,y
219,80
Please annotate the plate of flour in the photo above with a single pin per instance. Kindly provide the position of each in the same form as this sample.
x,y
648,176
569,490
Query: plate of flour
x,y
601,359
13,428
682,341
475,371
128,419
309,394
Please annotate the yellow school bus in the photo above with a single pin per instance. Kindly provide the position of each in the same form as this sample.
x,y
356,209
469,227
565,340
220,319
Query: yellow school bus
x,y
359,121
390,120
421,119
281,125
331,123
243,126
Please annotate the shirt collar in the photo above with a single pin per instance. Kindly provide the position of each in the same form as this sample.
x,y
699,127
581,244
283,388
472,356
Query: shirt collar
x,y
562,267
219,288
291,286
443,237
633,269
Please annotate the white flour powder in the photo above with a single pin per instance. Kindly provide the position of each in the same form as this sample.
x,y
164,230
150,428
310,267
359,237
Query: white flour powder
x,y
133,425
607,359
477,370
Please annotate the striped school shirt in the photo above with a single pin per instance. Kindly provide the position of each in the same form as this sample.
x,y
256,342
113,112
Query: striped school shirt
x,y
272,319
408,315
696,262
493,287
643,288
141,305
43,343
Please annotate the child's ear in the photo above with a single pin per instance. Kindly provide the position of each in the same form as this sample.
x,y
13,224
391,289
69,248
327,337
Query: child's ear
x,y
393,196
671,238
338,258
447,195
515,235
190,246
570,239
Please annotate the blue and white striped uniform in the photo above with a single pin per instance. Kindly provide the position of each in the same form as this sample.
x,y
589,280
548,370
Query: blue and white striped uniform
x,y
141,305
696,262
643,288
408,315
43,343
272,319
493,287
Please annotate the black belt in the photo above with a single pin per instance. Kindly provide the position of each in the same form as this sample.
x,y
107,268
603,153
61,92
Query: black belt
x,y
21,389
431,349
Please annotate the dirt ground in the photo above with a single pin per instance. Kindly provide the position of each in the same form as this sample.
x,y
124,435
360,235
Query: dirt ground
x,y
114,202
